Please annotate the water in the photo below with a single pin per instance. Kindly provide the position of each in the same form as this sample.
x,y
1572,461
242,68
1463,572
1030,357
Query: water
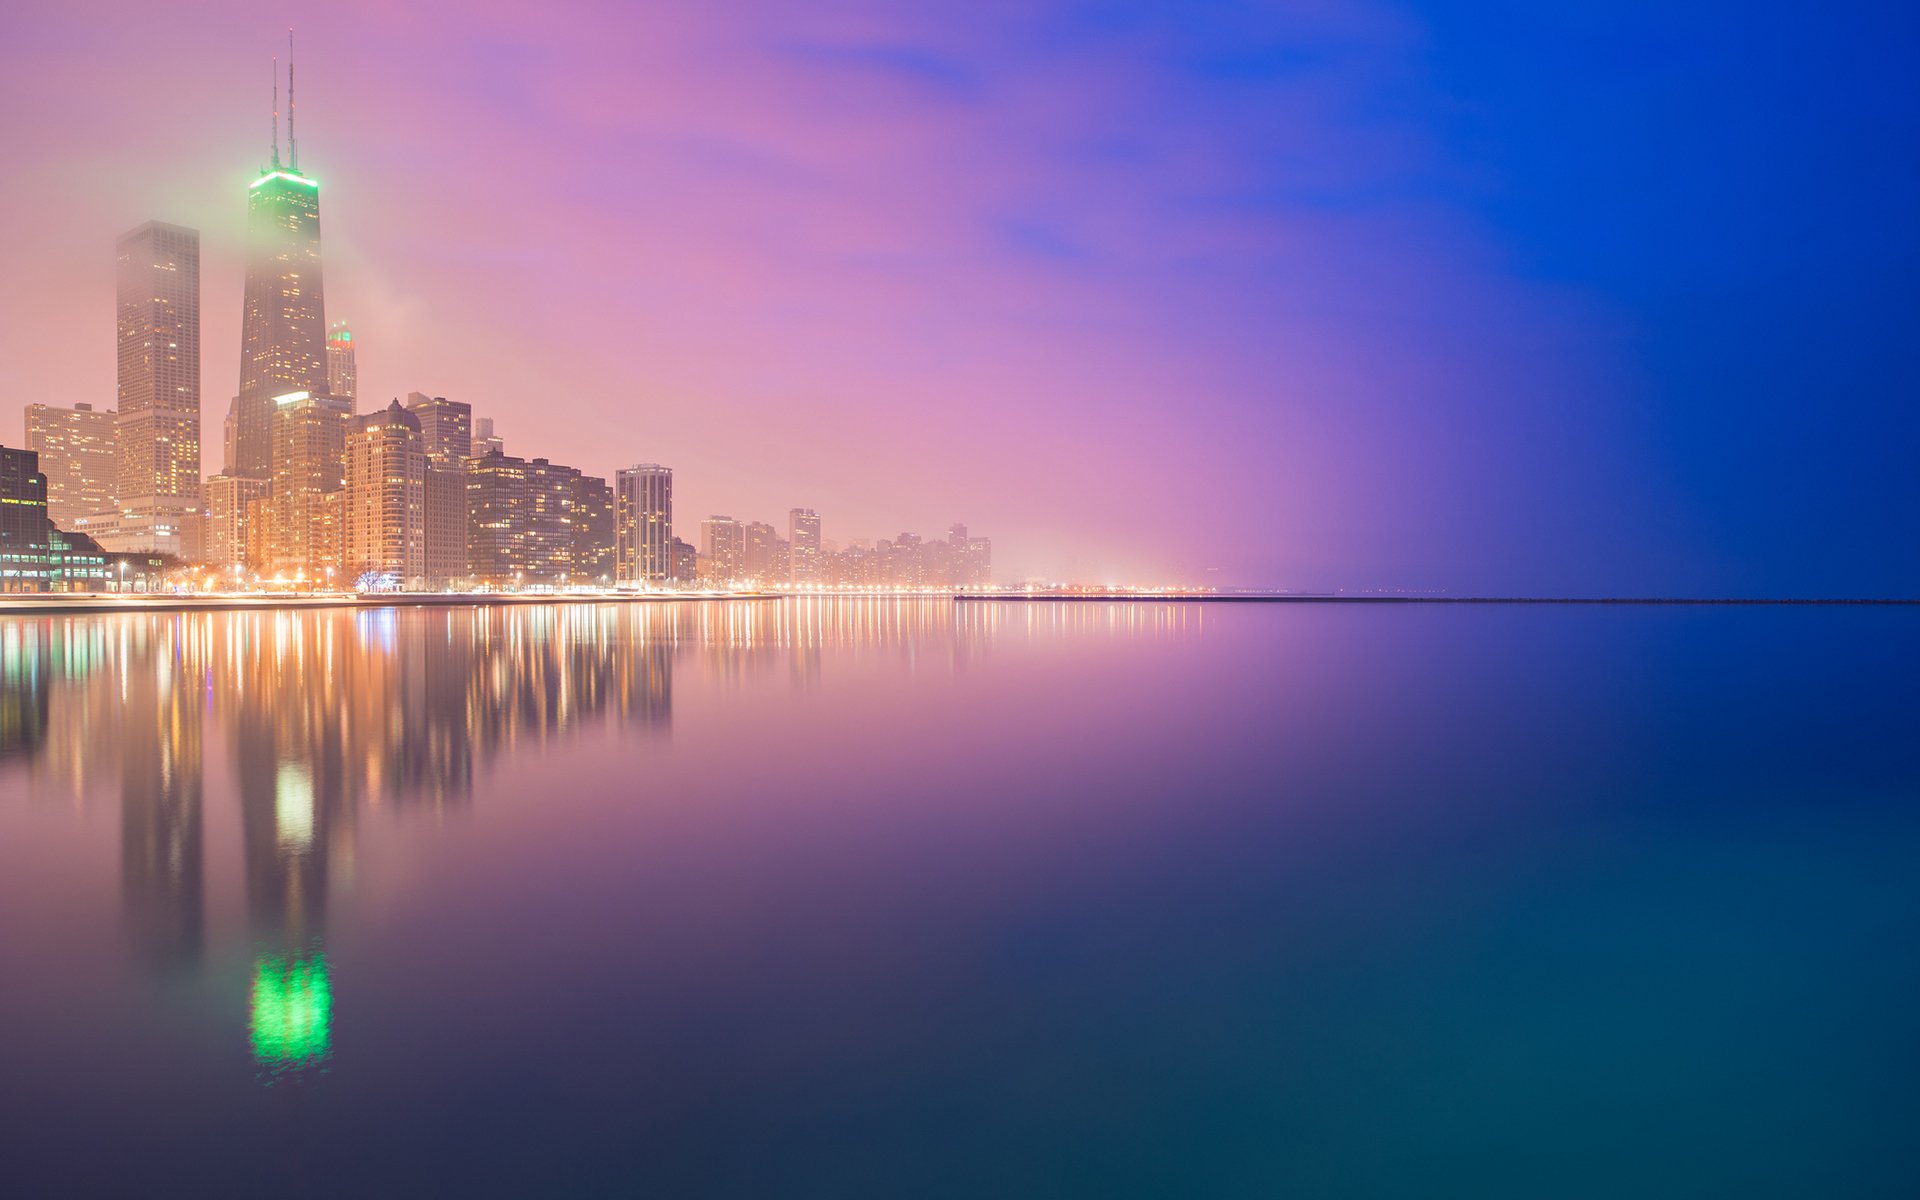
x,y
904,898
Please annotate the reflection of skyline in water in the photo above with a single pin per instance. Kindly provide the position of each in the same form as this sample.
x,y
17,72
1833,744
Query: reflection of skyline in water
x,y
320,715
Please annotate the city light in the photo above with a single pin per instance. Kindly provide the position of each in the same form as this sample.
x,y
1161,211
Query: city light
x,y
302,180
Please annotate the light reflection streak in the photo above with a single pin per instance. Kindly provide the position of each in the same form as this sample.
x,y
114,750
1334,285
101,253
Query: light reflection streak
x,y
323,713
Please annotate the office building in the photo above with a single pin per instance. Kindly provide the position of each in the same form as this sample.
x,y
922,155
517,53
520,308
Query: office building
x,y
342,378
446,426
283,322
484,441
643,520
79,451
34,555
157,427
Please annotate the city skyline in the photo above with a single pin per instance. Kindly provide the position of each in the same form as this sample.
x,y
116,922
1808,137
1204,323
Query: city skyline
x,y
1331,267
313,492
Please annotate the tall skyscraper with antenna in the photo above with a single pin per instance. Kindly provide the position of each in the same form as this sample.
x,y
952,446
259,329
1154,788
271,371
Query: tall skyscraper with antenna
x,y
283,325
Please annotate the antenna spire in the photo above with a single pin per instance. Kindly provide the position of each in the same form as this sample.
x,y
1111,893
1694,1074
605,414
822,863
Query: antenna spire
x,y
293,146
276,112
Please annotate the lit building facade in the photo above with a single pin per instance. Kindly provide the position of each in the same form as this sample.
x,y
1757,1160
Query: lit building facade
x,y
764,554
34,555
157,327
643,522
227,499
308,453
537,523
283,323
446,436
803,546
79,451
342,377
724,543
383,506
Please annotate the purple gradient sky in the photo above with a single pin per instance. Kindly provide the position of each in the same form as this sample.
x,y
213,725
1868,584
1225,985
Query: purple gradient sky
x,y
1134,293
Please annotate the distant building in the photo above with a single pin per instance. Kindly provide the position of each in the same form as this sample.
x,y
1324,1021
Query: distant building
x,y
79,451
484,442
685,561
35,556
969,559
227,498
383,509
157,427
724,544
643,524
803,540
342,377
764,559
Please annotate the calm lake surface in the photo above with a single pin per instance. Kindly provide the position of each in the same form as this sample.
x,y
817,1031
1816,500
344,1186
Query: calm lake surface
x,y
916,898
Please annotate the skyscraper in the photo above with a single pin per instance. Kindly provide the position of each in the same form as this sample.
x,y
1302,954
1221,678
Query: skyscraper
x,y
79,453
341,376
446,426
157,488
283,321
643,520
384,506
803,539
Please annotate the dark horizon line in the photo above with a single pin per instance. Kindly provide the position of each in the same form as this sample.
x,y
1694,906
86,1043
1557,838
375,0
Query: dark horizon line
x,y
1284,598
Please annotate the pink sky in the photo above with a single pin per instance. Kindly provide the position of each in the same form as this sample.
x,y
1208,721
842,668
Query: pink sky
x,y
1127,317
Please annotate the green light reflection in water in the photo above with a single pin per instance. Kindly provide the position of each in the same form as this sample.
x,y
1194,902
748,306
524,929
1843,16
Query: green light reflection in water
x,y
292,1010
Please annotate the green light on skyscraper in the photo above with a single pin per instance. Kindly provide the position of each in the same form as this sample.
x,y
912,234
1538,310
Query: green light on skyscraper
x,y
302,180
292,1010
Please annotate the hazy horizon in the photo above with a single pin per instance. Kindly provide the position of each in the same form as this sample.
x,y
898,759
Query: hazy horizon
x,y
1311,296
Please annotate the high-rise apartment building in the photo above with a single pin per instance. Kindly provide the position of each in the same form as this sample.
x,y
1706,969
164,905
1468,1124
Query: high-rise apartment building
x,y
724,542
308,453
342,378
537,523
283,323
157,328
446,435
590,558
383,507
643,523
803,546
227,499
79,451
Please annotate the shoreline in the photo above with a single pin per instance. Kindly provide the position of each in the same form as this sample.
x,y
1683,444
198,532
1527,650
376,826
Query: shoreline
x,y
27,605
